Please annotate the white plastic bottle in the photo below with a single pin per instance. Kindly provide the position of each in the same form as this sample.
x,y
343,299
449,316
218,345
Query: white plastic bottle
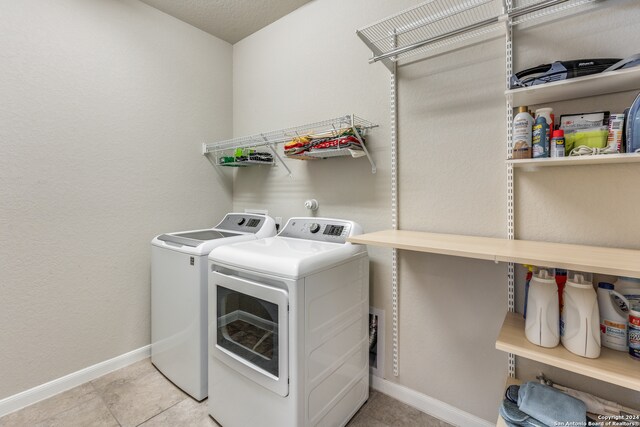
x,y
630,288
541,325
521,135
613,320
579,325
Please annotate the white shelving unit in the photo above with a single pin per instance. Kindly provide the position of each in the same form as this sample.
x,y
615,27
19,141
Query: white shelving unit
x,y
433,27
271,139
436,25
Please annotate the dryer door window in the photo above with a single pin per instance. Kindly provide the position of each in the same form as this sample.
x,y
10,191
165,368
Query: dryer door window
x,y
248,328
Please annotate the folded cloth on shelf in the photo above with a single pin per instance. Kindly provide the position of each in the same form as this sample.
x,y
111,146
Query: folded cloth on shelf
x,y
514,417
346,142
551,406
344,138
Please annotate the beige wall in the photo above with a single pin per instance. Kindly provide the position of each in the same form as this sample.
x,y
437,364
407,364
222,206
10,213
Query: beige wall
x,y
103,106
310,65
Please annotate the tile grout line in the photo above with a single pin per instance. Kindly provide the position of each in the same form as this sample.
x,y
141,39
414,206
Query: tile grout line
x,y
105,403
163,411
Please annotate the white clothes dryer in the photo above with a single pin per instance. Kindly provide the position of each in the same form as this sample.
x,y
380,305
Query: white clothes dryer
x,y
179,296
288,327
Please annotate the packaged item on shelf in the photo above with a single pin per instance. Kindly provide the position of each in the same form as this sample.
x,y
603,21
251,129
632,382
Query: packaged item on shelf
x,y
560,70
616,123
633,127
634,332
585,129
547,113
541,324
579,321
590,138
521,136
613,319
557,145
630,288
540,138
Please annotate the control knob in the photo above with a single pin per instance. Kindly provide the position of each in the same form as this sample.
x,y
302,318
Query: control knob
x,y
314,228
241,221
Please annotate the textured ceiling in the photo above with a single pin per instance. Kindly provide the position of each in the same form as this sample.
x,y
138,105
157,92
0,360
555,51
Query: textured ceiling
x,y
230,20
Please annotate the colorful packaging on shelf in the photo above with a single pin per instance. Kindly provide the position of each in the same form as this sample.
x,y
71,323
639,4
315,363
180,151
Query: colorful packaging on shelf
x,y
616,124
634,332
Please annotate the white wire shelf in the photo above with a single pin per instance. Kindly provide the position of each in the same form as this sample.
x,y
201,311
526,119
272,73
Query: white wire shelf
x,y
272,138
329,152
246,163
436,24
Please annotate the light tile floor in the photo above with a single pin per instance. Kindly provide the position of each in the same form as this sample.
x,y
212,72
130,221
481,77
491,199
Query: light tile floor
x,y
139,395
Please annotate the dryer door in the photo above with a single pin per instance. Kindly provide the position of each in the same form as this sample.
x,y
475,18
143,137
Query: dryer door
x,y
251,330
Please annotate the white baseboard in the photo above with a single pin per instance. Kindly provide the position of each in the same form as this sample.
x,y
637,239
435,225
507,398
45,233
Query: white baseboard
x,y
74,379
429,405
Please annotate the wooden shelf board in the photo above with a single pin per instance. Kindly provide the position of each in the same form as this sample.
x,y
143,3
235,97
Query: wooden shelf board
x,y
601,159
444,244
580,87
595,259
615,367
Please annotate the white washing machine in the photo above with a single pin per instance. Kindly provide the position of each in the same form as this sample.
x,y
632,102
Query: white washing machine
x,y
179,296
288,327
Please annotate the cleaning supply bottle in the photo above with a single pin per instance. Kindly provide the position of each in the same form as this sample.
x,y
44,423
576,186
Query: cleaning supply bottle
x,y
521,135
613,319
547,113
540,138
579,323
630,288
561,281
530,271
557,143
541,325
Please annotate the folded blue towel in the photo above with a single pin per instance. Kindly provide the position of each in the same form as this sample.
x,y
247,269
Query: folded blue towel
x,y
549,405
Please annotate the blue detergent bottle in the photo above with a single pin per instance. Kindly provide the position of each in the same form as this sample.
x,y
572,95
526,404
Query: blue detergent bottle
x,y
633,127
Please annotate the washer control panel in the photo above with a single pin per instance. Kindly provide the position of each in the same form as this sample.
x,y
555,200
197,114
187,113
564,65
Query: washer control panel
x,y
246,223
320,229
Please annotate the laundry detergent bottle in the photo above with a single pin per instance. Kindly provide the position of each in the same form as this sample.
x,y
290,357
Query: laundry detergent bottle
x,y
579,324
541,325
630,288
614,320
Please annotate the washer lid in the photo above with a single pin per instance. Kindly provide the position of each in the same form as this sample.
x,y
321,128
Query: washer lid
x,y
195,238
284,256
235,227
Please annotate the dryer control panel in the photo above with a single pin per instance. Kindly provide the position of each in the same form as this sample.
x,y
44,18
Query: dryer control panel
x,y
320,229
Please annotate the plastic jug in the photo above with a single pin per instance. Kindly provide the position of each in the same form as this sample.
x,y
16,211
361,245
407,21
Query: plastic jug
x,y
579,324
630,288
541,326
613,319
